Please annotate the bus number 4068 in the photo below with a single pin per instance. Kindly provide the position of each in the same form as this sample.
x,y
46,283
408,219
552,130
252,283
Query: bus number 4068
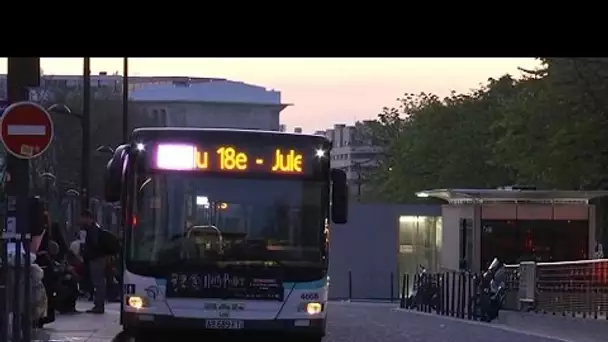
x,y
310,296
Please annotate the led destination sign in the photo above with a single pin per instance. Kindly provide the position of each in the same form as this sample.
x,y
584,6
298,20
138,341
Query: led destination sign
x,y
230,158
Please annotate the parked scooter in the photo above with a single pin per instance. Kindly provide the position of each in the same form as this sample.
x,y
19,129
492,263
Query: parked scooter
x,y
491,291
425,292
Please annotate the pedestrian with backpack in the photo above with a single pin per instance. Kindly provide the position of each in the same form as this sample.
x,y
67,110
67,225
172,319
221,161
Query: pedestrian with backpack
x,y
99,245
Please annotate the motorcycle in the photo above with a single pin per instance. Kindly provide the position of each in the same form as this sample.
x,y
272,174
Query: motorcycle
x,y
491,292
424,293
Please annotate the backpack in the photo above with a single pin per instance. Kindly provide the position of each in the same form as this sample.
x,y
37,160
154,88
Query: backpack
x,y
109,242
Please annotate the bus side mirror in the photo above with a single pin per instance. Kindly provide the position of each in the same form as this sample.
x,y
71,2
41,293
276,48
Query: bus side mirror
x,y
339,197
113,177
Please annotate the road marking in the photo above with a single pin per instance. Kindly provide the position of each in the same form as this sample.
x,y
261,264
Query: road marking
x,y
485,324
26,130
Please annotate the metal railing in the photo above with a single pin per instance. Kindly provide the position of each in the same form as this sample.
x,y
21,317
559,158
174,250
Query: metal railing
x,y
20,281
448,293
570,288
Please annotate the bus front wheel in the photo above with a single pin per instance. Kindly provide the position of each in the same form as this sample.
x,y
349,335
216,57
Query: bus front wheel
x,y
313,338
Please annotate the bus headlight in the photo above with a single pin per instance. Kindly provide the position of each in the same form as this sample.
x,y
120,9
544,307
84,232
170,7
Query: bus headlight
x,y
314,308
135,302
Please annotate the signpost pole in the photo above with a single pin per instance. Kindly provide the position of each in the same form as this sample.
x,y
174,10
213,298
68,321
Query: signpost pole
x,y
3,267
22,74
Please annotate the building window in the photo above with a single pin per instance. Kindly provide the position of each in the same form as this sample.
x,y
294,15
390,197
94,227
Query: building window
x,y
420,242
158,116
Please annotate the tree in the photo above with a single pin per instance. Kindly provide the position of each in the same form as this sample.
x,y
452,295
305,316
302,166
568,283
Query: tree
x,y
63,159
440,142
545,129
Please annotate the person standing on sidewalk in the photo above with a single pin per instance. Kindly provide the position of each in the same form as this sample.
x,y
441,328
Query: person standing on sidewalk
x,y
99,245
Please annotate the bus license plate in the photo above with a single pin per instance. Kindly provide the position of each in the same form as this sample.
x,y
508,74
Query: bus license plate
x,y
223,324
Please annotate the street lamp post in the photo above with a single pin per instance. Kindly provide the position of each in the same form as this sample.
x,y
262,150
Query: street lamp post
x,y
70,219
125,99
63,109
86,126
105,149
72,192
49,178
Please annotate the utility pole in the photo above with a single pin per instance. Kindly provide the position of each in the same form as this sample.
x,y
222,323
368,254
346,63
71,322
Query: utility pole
x,y
86,134
23,73
125,100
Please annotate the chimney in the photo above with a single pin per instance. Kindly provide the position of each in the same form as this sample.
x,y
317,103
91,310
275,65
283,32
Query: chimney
x,y
297,130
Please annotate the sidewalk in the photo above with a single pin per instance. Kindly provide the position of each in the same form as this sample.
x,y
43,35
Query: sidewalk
x,y
558,328
82,327
567,328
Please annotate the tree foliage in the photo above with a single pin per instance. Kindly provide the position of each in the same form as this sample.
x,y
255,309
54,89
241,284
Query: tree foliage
x,y
545,129
64,158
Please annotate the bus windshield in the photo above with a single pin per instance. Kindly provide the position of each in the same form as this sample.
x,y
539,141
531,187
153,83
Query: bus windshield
x,y
187,218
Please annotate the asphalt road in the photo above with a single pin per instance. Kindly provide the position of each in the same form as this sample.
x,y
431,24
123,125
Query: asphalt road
x,y
348,322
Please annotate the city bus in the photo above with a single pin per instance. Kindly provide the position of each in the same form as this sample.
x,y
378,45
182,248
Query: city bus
x,y
225,230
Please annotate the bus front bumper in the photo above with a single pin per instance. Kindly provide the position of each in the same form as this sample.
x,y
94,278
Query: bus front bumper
x,y
137,321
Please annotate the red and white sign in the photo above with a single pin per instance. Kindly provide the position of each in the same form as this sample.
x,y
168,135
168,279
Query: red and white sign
x,y
27,129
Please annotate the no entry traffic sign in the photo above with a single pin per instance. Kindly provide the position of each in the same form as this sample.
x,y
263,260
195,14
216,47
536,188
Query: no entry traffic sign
x,y
27,129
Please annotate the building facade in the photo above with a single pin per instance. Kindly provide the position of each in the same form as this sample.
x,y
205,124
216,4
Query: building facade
x,y
353,152
216,103
101,81
175,100
517,225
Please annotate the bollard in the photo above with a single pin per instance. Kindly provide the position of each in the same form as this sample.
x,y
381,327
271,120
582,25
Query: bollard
x,y
413,302
407,290
458,292
428,292
470,296
403,284
446,293
17,297
463,294
392,287
421,289
474,297
441,285
4,295
416,286
452,294
350,285
438,290
27,321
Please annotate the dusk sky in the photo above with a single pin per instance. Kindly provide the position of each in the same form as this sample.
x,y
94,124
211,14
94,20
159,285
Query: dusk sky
x,y
324,91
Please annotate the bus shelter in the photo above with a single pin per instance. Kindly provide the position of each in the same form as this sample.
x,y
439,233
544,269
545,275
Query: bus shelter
x,y
516,225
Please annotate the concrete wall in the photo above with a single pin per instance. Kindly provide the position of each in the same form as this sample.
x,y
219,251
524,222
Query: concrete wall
x,y
368,246
450,252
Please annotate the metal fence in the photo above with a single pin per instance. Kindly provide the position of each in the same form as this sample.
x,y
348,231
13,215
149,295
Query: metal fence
x,y
571,288
454,293
14,271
